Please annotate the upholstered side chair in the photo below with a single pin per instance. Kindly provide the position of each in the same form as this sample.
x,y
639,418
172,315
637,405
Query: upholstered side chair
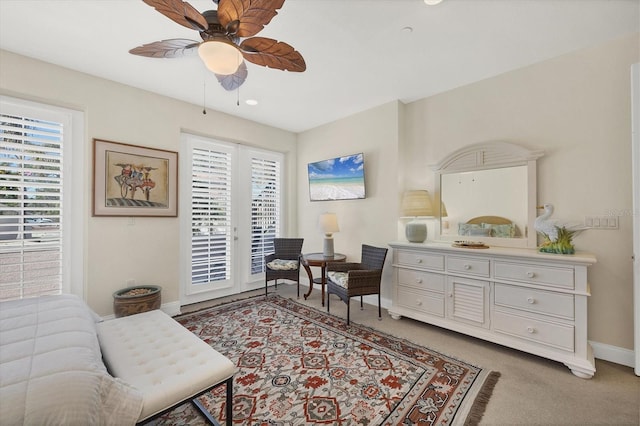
x,y
284,262
348,279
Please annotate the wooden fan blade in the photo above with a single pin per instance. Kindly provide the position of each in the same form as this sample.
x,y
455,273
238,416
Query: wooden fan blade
x,y
172,48
245,18
273,54
235,80
181,12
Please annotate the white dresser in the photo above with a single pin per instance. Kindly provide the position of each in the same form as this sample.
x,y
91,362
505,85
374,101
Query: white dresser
x,y
519,298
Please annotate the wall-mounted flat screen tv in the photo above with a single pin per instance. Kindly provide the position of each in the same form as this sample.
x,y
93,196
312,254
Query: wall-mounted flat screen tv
x,y
340,178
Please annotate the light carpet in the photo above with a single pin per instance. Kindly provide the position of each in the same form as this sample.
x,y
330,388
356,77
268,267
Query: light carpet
x,y
301,366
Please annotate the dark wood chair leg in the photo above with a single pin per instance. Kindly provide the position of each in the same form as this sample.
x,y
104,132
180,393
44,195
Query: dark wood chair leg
x,y
328,297
379,308
361,304
310,275
348,309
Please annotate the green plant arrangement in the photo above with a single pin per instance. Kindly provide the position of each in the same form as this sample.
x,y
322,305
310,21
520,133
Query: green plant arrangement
x,y
563,243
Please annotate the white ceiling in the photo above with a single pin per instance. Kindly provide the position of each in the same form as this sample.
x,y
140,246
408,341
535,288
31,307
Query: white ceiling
x,y
358,55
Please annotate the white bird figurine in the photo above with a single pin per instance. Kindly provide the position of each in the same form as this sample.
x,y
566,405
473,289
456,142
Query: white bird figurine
x,y
550,227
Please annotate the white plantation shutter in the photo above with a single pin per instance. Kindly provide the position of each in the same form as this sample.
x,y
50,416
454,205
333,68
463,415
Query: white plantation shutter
x,y
31,206
265,209
211,216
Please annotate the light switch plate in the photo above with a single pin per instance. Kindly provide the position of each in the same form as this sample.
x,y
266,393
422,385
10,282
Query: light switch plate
x,y
601,222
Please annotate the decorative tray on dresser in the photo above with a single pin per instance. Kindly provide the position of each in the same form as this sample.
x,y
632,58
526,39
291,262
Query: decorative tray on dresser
x,y
516,297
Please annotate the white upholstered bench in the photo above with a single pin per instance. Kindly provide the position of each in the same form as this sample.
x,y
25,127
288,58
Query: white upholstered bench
x,y
163,360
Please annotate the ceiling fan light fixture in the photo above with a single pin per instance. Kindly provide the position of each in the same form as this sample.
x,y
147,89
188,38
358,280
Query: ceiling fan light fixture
x,y
220,57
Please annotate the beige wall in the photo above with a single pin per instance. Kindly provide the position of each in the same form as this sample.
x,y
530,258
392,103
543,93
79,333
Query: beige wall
x,y
367,221
577,108
146,251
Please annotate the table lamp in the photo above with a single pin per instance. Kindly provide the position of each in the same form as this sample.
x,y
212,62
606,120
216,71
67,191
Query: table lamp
x,y
416,203
328,224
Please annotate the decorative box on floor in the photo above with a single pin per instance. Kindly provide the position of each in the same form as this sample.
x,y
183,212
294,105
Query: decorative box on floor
x,y
135,300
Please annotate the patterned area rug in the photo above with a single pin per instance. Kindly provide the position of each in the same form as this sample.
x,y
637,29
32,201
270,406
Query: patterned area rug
x,y
300,366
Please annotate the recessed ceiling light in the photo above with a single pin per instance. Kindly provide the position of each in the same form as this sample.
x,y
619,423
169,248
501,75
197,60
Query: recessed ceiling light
x,y
251,102
432,2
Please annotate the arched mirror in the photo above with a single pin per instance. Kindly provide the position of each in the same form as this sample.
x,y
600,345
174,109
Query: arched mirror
x,y
487,192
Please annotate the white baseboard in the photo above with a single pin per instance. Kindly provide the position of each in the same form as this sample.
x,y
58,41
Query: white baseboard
x,y
614,354
373,300
172,308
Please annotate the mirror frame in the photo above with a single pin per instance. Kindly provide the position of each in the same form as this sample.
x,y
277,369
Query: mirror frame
x,y
486,156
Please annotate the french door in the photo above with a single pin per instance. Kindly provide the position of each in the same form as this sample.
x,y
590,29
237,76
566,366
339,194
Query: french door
x,y
230,211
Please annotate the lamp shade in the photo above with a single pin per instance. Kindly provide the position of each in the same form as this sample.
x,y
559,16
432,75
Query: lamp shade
x,y
443,210
328,223
416,203
220,56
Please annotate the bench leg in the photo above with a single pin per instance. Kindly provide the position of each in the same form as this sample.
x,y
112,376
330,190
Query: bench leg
x,y
228,407
204,412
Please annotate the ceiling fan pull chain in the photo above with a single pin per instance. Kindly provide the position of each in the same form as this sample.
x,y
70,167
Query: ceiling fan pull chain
x,y
204,96
238,98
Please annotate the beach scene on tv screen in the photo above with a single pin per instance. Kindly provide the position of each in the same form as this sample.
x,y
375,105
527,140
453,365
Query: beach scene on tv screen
x,y
340,178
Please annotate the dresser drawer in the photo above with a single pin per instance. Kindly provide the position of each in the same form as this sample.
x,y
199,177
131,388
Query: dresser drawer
x,y
421,280
547,333
421,301
537,301
547,275
420,260
468,265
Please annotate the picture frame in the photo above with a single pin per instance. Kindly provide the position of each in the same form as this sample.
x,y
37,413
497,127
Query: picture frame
x,y
132,180
340,178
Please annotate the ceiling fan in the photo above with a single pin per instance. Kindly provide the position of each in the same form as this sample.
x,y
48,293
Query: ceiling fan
x,y
227,38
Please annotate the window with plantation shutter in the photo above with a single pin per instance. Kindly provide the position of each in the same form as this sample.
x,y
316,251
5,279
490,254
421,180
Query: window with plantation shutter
x,y
35,195
230,203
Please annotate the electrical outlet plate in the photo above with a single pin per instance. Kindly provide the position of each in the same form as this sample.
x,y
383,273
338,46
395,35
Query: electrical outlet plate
x,y
601,222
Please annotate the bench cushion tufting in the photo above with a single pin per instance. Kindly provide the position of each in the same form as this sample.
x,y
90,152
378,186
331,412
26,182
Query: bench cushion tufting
x,y
162,359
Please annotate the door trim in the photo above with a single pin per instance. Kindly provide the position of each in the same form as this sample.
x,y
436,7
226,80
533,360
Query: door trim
x,y
635,145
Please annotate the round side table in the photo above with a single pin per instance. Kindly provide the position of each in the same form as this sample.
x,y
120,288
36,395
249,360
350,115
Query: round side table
x,y
319,260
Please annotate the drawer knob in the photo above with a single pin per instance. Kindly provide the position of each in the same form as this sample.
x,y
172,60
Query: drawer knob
x,y
419,260
419,280
467,267
531,300
531,330
531,274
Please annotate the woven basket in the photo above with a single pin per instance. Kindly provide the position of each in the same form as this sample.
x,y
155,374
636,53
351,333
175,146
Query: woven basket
x,y
144,298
